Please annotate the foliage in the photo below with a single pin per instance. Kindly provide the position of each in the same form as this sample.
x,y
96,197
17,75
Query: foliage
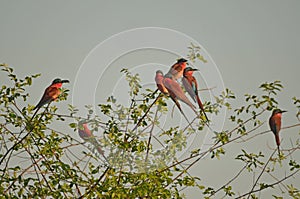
x,y
141,153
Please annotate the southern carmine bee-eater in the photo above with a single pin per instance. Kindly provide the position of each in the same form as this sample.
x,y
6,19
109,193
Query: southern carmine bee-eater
x,y
86,134
191,86
161,80
176,92
51,93
275,125
176,70
159,77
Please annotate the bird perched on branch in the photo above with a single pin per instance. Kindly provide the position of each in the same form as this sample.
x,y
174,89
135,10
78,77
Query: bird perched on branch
x,y
191,86
86,134
176,92
275,125
176,70
51,93
170,87
159,77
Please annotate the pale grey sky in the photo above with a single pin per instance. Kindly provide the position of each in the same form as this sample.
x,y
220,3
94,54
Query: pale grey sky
x,y
250,41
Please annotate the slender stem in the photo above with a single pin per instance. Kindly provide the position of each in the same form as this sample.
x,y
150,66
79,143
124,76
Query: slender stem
x,y
149,107
215,146
270,185
261,173
231,180
95,184
150,136
207,89
21,140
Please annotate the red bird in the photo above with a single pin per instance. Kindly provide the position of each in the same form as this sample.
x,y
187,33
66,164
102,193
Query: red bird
x,y
190,84
51,93
167,85
176,93
159,79
177,69
159,82
86,134
275,125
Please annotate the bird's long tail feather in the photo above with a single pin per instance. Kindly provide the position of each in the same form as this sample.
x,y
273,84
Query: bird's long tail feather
x,y
181,111
201,107
277,142
94,142
277,139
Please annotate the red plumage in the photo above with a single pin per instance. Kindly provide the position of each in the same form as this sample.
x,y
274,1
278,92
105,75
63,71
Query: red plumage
x,y
51,92
275,125
191,86
86,134
176,69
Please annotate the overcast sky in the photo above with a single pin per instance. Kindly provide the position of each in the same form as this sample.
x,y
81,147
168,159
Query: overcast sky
x,y
251,42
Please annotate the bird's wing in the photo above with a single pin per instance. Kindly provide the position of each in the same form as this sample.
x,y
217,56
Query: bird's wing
x,y
188,87
273,125
48,95
195,85
176,103
175,69
162,88
53,92
173,87
160,85
87,136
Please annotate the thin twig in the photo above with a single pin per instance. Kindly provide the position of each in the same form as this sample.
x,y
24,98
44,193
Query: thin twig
x,y
149,107
270,185
215,146
262,171
207,89
21,140
267,131
230,181
95,184
150,135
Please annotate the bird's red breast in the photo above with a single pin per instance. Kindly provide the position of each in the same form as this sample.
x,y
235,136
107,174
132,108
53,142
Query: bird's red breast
x,y
177,70
52,92
188,73
191,85
275,125
84,133
57,85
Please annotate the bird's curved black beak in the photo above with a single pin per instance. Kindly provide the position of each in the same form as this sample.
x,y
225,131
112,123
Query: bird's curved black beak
x,y
283,111
65,81
194,69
